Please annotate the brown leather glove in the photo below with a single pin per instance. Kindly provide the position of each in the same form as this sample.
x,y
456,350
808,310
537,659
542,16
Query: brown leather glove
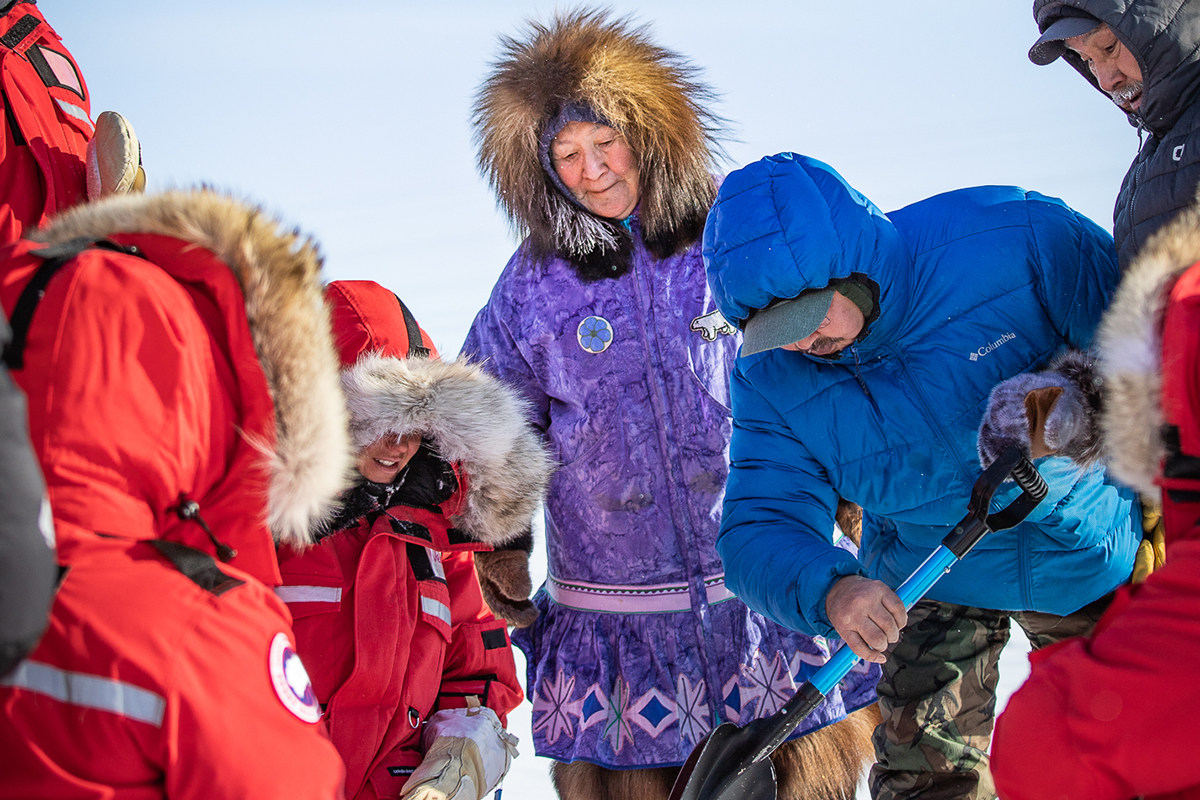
x,y
504,579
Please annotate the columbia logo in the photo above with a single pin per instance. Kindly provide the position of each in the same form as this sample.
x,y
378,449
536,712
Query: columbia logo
x,y
987,348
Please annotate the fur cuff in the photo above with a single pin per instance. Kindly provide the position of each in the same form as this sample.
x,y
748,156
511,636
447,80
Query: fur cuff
x,y
1053,412
1079,369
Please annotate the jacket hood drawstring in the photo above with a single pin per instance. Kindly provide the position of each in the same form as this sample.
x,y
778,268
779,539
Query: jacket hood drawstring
x,y
188,510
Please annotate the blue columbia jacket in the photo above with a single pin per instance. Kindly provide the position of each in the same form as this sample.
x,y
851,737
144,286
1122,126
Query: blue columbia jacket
x,y
971,287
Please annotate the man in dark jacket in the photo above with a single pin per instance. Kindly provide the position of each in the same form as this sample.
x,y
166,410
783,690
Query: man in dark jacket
x,y
1144,54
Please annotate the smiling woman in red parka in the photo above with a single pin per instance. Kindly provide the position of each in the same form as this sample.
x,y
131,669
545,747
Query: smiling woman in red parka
x,y
414,671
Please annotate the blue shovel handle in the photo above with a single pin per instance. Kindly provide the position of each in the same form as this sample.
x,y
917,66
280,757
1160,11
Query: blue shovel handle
x,y
964,536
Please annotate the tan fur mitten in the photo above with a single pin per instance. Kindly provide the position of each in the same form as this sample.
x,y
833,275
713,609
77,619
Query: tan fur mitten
x,y
849,519
1038,412
504,579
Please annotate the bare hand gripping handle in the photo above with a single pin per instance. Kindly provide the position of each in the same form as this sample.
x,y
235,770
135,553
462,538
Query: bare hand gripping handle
x,y
733,763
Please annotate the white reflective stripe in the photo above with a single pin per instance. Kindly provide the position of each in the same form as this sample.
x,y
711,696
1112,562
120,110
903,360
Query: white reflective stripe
x,y
75,111
89,691
309,594
435,563
436,608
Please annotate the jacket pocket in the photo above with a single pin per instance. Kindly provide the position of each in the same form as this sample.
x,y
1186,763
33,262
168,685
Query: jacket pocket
x,y
312,582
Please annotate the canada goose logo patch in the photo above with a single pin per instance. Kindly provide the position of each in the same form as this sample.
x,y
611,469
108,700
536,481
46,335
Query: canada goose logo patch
x,y
595,334
290,680
712,325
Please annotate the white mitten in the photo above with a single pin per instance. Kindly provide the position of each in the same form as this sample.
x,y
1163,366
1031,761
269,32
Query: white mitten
x,y
467,752
114,158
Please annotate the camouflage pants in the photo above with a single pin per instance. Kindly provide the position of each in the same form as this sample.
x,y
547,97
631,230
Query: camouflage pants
x,y
938,697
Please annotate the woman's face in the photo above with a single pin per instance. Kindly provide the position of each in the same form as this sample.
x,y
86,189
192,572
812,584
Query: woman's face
x,y
596,165
382,460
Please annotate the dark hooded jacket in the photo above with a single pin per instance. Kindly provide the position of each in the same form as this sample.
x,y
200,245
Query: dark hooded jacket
x,y
1165,39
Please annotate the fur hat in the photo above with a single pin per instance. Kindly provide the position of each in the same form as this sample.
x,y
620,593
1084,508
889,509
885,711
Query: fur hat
x,y
648,93
395,384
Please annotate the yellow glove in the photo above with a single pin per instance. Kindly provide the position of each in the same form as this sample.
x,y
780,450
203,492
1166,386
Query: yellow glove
x,y
114,158
1152,552
467,752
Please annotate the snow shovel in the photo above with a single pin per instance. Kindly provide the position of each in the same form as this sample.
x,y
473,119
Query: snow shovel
x,y
733,763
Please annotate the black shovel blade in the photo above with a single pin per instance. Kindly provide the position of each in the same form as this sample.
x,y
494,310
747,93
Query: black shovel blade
x,y
722,767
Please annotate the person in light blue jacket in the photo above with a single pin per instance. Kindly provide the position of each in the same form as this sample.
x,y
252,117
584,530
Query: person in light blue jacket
x,y
871,344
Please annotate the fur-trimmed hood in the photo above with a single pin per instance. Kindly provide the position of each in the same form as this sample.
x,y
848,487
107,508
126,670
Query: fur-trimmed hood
x,y
395,384
648,93
1129,343
278,271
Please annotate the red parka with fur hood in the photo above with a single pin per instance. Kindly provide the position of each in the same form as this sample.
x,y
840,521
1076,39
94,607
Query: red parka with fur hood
x,y
389,615
183,403
1112,716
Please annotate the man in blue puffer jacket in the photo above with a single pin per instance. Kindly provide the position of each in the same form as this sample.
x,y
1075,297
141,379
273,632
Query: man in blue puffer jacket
x,y
871,345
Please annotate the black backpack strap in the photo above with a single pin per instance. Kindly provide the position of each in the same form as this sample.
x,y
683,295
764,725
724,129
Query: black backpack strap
x,y
197,566
54,258
415,342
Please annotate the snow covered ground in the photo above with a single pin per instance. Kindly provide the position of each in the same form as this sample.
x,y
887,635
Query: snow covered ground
x,y
529,778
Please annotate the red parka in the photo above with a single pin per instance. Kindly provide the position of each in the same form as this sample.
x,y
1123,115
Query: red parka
x,y
183,403
1112,716
47,123
389,615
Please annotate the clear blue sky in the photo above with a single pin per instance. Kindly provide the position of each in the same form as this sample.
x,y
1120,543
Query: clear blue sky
x,y
350,120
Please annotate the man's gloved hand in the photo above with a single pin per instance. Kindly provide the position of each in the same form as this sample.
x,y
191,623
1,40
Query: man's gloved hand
x,y
1152,552
467,752
114,158
504,579
1040,412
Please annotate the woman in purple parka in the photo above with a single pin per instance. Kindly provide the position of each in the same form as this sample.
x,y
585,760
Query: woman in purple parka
x,y
597,145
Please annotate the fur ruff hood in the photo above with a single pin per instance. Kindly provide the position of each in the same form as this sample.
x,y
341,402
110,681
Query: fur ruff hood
x,y
279,274
1130,346
472,419
648,93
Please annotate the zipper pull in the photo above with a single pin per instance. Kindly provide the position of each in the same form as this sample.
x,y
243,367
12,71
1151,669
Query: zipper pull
x,y
858,370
